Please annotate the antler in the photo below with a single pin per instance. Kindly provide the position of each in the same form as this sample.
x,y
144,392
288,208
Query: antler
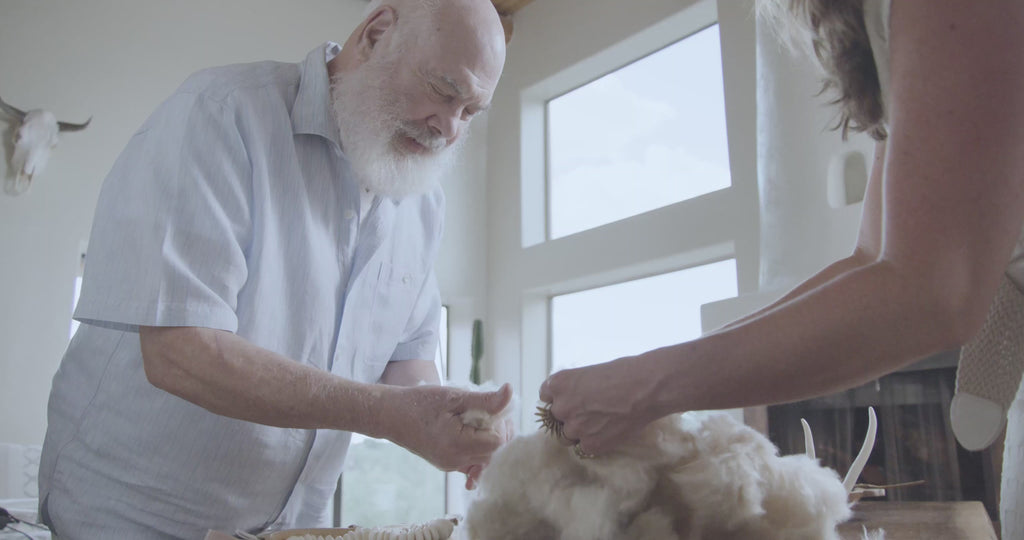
x,y
808,440
865,451
853,490
12,110
68,126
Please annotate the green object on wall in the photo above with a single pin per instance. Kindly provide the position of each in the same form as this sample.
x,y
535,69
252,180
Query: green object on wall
x,y
477,351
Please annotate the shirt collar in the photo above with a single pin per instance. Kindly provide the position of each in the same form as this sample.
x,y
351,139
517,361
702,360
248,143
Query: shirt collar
x,y
312,113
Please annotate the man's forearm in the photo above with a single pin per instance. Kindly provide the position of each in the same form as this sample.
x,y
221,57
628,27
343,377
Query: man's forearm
x,y
229,376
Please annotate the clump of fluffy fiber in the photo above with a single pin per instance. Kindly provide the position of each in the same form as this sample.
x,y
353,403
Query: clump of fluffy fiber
x,y
695,476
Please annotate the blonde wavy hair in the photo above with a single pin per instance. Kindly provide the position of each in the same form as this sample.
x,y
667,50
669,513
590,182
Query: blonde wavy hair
x,y
835,32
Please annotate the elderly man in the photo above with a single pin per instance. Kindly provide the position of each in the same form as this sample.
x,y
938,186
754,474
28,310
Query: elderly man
x,y
260,262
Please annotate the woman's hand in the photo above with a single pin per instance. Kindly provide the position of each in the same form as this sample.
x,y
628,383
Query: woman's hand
x,y
603,405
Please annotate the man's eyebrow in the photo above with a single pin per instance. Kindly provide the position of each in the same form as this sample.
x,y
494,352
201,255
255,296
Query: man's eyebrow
x,y
449,82
452,86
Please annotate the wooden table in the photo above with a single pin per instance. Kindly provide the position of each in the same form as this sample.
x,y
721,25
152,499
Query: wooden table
x,y
900,520
920,521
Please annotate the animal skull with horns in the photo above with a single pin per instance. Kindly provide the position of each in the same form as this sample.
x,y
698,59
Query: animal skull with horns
x,y
35,136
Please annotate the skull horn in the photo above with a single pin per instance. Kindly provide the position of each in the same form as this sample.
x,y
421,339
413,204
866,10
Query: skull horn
x,y
12,110
68,126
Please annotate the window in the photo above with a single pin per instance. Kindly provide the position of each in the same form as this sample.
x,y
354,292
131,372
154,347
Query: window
x,y
77,292
385,484
602,324
648,135
607,187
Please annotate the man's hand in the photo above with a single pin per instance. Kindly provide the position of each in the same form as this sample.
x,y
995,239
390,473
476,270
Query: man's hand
x,y
427,421
506,429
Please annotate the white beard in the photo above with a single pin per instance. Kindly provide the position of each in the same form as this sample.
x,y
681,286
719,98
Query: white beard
x,y
365,108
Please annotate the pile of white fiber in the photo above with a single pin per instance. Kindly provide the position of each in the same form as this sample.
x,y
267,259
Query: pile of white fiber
x,y
695,476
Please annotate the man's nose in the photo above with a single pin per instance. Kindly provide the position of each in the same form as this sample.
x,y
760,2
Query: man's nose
x,y
446,124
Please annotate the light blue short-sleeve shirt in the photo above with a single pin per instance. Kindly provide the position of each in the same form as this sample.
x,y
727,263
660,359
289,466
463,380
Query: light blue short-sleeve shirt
x,y
233,207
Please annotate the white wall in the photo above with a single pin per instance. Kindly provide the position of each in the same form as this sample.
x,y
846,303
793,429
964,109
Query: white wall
x,y
801,232
116,60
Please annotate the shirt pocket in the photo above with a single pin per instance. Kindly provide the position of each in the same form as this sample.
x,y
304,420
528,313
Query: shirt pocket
x,y
398,287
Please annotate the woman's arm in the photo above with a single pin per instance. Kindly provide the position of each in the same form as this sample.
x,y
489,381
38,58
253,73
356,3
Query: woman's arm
x,y
952,208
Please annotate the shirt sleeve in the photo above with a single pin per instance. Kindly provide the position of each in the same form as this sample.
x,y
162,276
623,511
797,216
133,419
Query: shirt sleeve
x,y
420,337
172,223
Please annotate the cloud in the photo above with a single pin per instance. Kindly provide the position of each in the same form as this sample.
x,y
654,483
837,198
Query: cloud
x,y
595,194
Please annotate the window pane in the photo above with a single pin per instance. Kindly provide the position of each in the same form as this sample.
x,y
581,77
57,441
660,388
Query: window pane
x,y
603,324
646,136
74,304
384,484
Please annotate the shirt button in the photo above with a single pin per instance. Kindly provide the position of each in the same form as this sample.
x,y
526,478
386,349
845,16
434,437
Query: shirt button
x,y
406,279
349,214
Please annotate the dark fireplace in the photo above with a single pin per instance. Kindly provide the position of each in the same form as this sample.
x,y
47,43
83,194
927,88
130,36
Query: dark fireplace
x,y
914,440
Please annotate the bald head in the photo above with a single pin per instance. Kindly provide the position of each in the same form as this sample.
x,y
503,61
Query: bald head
x,y
410,79
448,52
436,25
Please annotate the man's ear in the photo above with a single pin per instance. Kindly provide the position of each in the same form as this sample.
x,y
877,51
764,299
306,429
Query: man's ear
x,y
374,29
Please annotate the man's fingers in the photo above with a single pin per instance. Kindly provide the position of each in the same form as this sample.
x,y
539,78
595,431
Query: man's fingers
x,y
480,441
473,469
490,402
497,401
471,481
